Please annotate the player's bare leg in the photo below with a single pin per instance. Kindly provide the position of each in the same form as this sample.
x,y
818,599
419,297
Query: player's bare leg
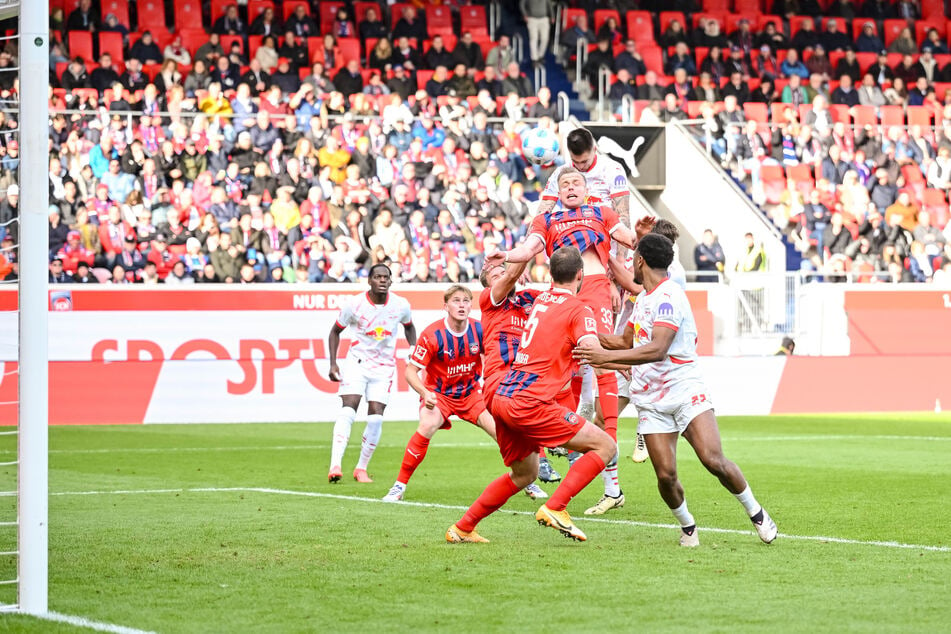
x,y
430,420
597,449
703,434
663,454
492,498
341,435
371,436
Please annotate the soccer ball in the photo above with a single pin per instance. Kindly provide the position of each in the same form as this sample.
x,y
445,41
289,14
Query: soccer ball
x,y
540,146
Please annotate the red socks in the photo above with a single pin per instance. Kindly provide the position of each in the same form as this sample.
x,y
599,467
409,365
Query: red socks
x,y
582,472
415,452
495,495
607,396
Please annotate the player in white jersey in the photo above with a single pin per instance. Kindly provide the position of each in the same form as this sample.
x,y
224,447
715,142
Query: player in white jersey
x,y
374,319
607,184
624,277
668,389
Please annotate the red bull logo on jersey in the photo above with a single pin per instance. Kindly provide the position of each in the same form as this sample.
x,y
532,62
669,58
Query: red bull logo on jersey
x,y
640,333
379,333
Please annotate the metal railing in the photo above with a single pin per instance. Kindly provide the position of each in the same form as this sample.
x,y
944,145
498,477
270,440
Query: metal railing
x,y
628,109
564,104
541,77
518,47
495,18
581,56
604,85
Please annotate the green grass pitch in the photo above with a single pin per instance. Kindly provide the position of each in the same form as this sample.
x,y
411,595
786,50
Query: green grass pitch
x,y
234,528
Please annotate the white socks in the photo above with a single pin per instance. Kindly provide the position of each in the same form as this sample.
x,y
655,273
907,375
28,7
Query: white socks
x,y
586,401
609,475
746,498
341,435
683,515
371,436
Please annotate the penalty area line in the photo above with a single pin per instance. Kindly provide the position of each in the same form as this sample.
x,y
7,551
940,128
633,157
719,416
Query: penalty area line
x,y
89,624
455,507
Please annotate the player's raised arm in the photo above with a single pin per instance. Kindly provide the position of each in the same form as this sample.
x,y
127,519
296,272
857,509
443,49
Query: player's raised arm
x,y
524,252
623,277
333,342
506,284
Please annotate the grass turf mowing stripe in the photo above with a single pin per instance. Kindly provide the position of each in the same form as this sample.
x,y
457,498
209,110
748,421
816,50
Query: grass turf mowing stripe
x,y
354,498
89,624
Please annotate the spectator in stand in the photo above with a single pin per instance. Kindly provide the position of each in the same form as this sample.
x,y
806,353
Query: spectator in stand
x,y
461,82
939,172
708,34
706,89
737,88
630,60
230,23
579,31
737,62
401,84
288,80
515,82
501,55
681,88
795,93
437,55
934,43
868,40
257,79
75,76
266,23
908,70
771,37
371,27
742,37
880,70
175,51
267,54
105,76
146,50
833,39
708,257
766,65
490,83
57,275
624,86
672,110
438,84
918,92
845,94
819,63
650,90
897,94
901,213
83,18
295,50
410,25
793,66
673,34
342,25
904,43
881,191
929,66
713,64
469,53
849,65
681,59
211,50
301,23
225,74
544,107
407,54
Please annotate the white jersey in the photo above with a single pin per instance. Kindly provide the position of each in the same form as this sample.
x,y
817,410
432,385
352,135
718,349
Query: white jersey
x,y
375,329
605,180
664,307
676,274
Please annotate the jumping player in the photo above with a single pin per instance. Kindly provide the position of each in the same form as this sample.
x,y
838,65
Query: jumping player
x,y
374,318
589,228
527,414
668,389
504,312
450,351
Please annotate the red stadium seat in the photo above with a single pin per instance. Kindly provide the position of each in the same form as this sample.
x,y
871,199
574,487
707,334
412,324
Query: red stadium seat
x,y
328,14
217,9
601,16
932,10
919,115
151,13
291,5
570,16
733,21
472,18
922,28
865,115
257,7
756,111
748,6
840,113
892,115
716,6
935,203
188,14
438,20
914,180
119,8
653,58
640,27
795,23
777,111
891,29
423,76
765,19
111,42
865,60
80,44
228,40
349,49
801,175
719,17
774,183
193,38
484,43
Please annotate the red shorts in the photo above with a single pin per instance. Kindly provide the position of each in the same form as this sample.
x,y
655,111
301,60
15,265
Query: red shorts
x,y
468,408
596,293
523,426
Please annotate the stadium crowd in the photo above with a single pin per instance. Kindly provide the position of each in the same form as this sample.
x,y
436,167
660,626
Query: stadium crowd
x,y
291,141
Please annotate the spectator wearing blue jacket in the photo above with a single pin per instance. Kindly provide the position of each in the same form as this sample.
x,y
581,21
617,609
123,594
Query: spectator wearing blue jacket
x,y
100,155
428,133
792,65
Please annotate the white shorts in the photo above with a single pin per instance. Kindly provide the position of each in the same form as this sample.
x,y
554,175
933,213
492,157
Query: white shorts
x,y
675,410
374,386
623,386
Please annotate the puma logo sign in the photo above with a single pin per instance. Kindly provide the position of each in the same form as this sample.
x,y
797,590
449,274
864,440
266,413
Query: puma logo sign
x,y
609,146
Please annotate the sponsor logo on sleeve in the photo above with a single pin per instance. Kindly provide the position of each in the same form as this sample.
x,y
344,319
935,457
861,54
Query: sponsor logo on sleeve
x,y
590,324
665,310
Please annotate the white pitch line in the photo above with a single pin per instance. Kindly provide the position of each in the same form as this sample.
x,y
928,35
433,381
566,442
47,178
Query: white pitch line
x,y
452,507
459,445
98,626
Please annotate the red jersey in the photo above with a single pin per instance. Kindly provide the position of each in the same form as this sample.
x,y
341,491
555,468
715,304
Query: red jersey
x,y
502,326
588,226
543,365
452,360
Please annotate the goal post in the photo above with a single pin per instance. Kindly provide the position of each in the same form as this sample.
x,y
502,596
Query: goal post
x,y
33,439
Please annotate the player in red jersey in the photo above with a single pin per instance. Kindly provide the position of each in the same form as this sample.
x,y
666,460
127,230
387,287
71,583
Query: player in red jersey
x,y
590,228
450,351
504,312
527,414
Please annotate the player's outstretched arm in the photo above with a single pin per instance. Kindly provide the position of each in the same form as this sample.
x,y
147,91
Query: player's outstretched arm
x,y
522,253
624,341
505,284
623,277
416,382
333,342
655,350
